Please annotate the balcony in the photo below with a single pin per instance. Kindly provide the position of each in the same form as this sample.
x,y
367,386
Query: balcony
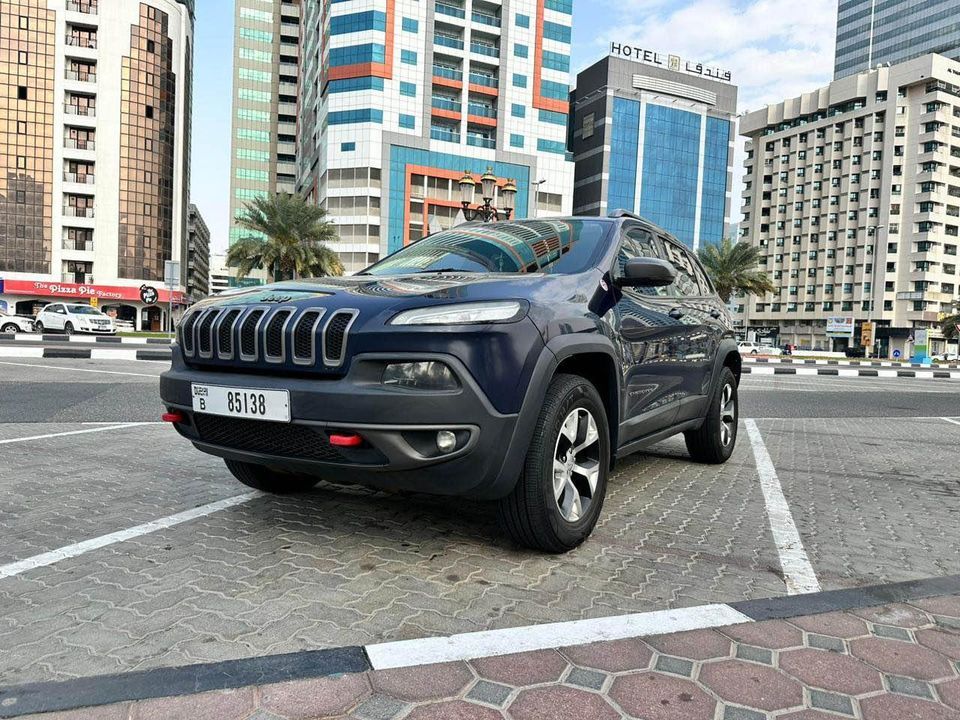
x,y
481,141
448,41
79,245
445,134
80,278
449,10
80,212
483,80
79,110
445,103
80,179
481,110
87,8
485,19
74,144
89,43
81,76
448,73
485,49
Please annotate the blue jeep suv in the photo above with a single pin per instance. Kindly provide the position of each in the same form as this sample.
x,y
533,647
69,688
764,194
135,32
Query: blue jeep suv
x,y
511,361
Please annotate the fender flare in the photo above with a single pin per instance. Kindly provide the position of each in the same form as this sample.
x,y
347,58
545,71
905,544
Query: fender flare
x,y
555,352
727,347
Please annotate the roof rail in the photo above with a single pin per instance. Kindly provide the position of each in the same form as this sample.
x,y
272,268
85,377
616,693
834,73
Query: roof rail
x,y
624,214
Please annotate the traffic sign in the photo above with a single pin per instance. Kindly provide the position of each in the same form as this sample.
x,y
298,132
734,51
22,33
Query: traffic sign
x,y
897,354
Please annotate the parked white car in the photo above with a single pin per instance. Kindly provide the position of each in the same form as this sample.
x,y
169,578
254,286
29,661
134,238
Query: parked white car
x,y
751,348
15,323
946,357
70,318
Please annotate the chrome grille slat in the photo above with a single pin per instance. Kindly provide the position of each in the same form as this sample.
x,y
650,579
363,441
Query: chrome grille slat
x,y
305,334
335,338
205,332
248,334
224,331
186,333
275,335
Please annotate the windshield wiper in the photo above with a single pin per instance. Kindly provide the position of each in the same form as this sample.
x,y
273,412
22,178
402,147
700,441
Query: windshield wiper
x,y
444,270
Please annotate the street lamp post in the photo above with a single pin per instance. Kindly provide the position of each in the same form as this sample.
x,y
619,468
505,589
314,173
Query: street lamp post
x,y
536,199
486,211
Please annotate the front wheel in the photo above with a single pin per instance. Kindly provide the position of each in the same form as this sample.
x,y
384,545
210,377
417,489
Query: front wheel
x,y
263,478
38,327
557,500
714,441
68,329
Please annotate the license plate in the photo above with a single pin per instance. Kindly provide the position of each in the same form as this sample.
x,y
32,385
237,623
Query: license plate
x,y
251,403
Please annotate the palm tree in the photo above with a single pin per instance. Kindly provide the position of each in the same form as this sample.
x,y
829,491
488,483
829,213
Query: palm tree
x,y
733,268
950,325
289,240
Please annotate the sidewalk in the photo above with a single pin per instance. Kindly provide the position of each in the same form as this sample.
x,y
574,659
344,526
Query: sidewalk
x,y
899,661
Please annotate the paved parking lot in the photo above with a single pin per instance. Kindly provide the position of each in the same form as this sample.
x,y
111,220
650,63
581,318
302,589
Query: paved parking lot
x,y
867,470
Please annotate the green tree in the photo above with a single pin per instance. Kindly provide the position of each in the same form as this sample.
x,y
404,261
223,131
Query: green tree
x,y
289,242
950,325
733,268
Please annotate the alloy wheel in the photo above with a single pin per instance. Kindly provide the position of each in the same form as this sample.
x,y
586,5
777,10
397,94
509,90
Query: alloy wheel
x,y
728,415
576,464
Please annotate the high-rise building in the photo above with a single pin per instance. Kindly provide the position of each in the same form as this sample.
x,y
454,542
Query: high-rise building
x,y
852,194
870,33
399,99
95,101
198,256
220,278
653,134
265,66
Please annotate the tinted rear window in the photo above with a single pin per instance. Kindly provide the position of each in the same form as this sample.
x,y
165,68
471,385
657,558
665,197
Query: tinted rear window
x,y
561,247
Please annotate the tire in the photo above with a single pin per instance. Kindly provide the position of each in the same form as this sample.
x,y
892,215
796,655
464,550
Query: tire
x,y
715,440
10,328
68,329
534,514
38,328
263,478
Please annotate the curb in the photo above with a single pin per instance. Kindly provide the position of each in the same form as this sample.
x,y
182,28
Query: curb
x,y
85,353
853,372
40,697
110,339
855,363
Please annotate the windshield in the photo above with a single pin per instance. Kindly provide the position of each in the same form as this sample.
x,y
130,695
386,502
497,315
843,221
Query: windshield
x,y
560,247
83,310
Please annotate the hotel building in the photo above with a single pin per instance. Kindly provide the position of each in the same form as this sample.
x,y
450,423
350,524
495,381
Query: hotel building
x,y
399,98
653,134
95,102
852,193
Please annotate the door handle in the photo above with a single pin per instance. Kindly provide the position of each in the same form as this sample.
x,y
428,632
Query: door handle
x,y
676,313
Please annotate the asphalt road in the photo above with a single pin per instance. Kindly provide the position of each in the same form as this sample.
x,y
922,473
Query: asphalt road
x,y
118,391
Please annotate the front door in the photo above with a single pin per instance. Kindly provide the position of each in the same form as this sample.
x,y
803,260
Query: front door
x,y
649,342
55,318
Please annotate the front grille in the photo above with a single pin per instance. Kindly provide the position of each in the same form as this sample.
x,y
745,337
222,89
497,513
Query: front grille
x,y
273,334
269,438
248,334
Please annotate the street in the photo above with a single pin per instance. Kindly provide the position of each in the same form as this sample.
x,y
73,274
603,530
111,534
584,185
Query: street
x,y
867,469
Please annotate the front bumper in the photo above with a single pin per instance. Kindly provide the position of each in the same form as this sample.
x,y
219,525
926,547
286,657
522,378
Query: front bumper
x,y
398,427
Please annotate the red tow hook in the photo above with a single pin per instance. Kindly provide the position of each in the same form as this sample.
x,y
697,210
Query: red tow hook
x,y
174,416
341,440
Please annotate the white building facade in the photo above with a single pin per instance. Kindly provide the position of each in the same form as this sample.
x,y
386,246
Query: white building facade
x,y
399,98
94,158
852,194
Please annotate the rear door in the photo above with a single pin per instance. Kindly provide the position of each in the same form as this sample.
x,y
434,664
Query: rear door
x,y
54,317
698,310
649,340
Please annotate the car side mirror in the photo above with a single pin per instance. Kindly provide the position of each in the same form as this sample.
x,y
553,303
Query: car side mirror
x,y
648,272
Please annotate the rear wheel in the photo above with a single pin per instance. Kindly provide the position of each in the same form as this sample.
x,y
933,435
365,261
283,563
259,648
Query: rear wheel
x,y
558,498
10,328
715,440
263,478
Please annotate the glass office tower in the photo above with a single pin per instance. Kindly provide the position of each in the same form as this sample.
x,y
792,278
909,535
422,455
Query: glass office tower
x,y
667,150
871,32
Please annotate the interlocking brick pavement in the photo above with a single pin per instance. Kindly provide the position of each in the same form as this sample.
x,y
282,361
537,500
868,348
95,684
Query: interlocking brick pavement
x,y
800,681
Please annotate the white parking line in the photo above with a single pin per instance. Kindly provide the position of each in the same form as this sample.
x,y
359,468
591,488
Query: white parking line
x,y
486,643
71,551
75,369
77,432
951,420
797,571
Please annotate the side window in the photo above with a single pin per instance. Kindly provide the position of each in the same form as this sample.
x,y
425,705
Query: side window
x,y
686,284
705,287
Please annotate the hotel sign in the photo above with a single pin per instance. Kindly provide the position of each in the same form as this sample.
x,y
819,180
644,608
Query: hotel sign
x,y
670,62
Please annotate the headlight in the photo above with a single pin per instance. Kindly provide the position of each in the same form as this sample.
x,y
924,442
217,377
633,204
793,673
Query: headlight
x,y
429,375
461,314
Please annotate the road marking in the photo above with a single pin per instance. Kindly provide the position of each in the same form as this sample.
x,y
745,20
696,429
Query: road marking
x,y
72,551
77,432
797,571
950,420
21,352
486,643
111,354
73,369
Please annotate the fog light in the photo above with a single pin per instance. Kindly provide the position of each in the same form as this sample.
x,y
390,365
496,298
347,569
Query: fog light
x,y
428,375
446,441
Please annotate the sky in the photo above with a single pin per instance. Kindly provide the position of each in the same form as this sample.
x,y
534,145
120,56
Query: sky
x,y
776,49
